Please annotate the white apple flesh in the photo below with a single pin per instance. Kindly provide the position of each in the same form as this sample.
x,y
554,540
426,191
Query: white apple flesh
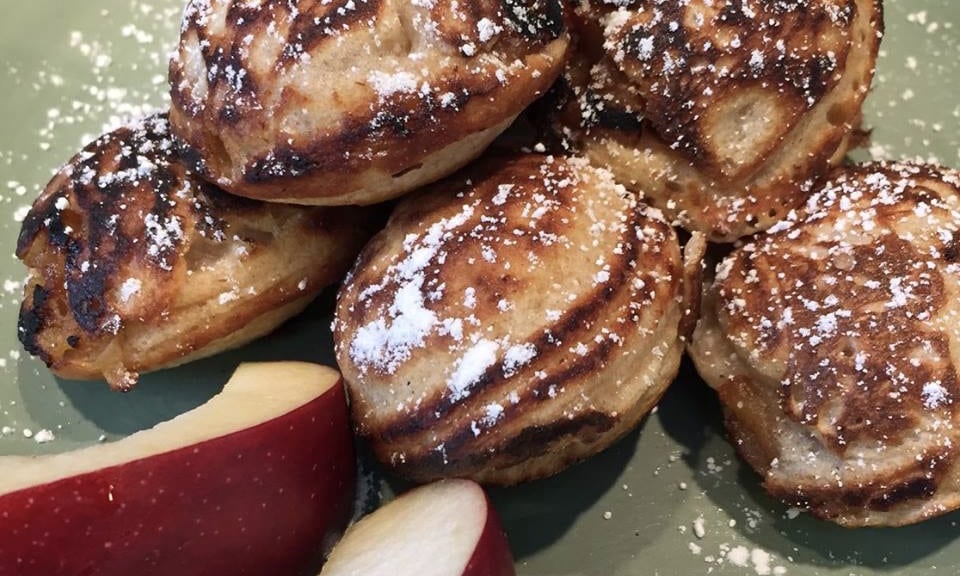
x,y
252,482
448,528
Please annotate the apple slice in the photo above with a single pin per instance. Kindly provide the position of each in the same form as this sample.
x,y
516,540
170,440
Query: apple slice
x,y
252,482
447,528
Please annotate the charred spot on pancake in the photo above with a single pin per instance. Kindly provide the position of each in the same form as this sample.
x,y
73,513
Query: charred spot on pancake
x,y
283,163
33,318
112,204
878,396
526,446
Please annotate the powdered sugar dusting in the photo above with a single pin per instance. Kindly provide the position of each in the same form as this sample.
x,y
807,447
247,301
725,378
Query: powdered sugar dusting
x,y
387,85
517,356
386,343
934,395
471,367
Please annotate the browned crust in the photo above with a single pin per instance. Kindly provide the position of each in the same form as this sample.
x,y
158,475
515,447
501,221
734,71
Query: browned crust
x,y
586,310
895,498
733,50
543,428
831,343
136,264
79,217
685,159
369,142
874,318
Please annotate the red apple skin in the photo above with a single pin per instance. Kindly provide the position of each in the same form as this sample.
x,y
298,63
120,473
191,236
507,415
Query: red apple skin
x,y
257,501
492,556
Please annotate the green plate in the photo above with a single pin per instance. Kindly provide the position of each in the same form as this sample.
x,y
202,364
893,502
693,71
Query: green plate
x,y
671,498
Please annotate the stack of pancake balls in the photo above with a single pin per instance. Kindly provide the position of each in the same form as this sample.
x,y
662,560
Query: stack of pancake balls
x,y
672,180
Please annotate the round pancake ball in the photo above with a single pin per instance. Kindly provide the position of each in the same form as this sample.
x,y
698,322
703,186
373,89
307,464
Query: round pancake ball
x,y
724,114
510,321
136,265
354,101
832,342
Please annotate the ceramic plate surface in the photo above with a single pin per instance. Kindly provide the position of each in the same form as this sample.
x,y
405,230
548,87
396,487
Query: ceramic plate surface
x,y
671,498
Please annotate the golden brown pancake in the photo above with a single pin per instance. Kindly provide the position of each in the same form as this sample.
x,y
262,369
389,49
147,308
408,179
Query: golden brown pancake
x,y
510,321
355,101
136,265
833,340
724,114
